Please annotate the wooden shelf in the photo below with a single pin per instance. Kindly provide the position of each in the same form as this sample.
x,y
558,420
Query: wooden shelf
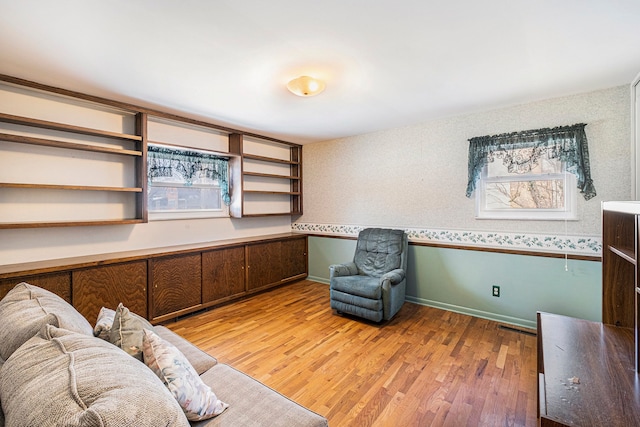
x,y
70,187
269,159
27,121
4,225
625,253
288,193
269,214
270,175
68,145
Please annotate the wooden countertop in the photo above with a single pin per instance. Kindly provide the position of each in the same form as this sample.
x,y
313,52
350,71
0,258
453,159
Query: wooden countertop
x,y
53,265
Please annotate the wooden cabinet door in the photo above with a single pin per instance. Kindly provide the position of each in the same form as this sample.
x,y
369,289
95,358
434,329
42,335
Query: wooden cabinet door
x,y
264,264
222,274
58,283
294,257
108,286
176,284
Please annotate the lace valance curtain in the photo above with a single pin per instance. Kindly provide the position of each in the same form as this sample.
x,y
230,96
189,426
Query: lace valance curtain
x,y
186,166
565,143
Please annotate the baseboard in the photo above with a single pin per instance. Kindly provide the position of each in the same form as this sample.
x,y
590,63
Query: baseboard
x,y
319,279
523,323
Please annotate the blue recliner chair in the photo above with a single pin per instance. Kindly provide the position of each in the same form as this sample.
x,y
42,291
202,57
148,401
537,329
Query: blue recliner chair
x,y
374,284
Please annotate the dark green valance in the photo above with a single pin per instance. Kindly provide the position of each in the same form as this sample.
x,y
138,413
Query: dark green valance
x,y
565,143
186,166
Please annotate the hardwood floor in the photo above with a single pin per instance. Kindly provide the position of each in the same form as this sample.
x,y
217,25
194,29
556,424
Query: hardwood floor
x,y
426,367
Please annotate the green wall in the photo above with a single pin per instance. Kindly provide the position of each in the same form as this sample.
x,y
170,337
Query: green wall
x,y
461,280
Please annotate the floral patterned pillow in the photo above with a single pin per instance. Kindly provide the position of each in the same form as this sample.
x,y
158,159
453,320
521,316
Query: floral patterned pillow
x,y
196,398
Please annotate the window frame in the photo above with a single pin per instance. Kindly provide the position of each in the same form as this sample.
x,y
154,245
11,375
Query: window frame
x,y
569,212
168,214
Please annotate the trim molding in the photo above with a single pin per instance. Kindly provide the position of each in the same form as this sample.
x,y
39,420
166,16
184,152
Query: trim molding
x,y
523,323
589,246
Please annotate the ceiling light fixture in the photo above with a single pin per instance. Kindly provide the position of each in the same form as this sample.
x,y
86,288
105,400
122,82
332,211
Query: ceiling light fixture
x,y
305,86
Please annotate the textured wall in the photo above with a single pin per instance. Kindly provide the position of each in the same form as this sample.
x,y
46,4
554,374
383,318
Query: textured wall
x,y
416,176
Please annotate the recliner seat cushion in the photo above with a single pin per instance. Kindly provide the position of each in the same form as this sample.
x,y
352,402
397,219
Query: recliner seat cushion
x,y
378,251
363,286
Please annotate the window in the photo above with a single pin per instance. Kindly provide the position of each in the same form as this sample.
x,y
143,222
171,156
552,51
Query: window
x,y
544,192
533,174
186,183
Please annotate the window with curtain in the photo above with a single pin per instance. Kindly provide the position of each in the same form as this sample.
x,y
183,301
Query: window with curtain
x,y
186,183
534,174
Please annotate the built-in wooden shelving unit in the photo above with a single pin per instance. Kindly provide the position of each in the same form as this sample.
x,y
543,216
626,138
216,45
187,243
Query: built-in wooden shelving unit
x,y
263,182
280,192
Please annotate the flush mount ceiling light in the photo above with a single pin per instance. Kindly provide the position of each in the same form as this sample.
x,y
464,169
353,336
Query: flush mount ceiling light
x,y
305,86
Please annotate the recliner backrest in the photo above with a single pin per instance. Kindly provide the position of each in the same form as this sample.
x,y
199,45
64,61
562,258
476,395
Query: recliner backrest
x,y
380,250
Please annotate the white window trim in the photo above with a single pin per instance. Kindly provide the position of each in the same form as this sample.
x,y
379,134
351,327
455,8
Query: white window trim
x,y
199,214
567,214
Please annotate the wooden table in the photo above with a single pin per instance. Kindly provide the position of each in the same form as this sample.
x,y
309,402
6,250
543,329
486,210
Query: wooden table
x,y
586,373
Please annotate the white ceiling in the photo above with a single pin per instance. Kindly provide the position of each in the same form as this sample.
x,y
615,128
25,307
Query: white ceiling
x,y
386,63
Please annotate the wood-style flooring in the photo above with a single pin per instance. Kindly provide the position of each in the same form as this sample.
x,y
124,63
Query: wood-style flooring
x,y
426,367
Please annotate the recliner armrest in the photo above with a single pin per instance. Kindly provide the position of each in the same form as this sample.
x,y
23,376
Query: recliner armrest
x,y
346,269
394,276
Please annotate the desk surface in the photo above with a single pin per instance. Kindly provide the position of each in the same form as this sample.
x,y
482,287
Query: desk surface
x,y
589,376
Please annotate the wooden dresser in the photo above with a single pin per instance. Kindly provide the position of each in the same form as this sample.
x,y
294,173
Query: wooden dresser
x,y
588,371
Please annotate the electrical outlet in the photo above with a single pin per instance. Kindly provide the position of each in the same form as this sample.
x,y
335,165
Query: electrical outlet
x,y
495,291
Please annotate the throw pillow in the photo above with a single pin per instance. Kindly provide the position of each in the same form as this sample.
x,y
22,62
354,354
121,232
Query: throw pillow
x,y
126,331
60,377
25,309
196,398
104,323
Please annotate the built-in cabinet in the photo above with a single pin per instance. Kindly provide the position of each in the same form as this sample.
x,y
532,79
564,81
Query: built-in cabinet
x,y
588,371
58,283
170,282
223,274
176,282
109,285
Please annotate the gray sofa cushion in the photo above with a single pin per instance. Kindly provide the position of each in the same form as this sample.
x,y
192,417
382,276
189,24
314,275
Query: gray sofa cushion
x,y
200,360
1,413
60,377
378,251
253,404
24,310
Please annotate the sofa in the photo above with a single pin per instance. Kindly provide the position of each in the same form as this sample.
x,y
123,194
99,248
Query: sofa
x,y
57,369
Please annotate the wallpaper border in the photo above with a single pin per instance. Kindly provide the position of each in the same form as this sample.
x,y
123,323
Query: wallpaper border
x,y
573,245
